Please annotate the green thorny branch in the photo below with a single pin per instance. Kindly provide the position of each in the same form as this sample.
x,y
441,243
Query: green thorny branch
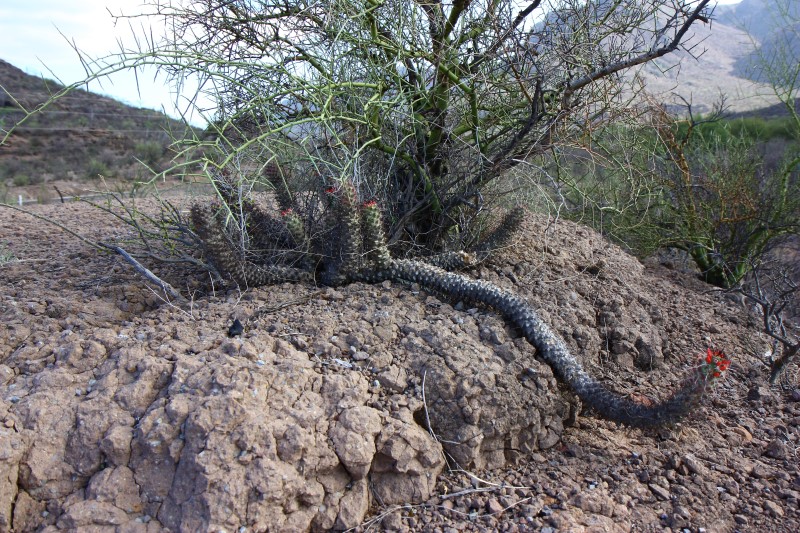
x,y
348,245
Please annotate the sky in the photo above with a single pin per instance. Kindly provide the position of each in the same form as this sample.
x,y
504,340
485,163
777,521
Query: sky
x,y
38,37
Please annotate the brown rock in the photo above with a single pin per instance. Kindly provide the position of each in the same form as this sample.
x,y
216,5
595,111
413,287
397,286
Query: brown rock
x,y
493,506
595,502
392,522
92,513
93,419
777,449
353,437
115,486
394,378
81,355
45,476
744,434
6,374
353,506
12,448
759,393
773,508
116,445
761,471
27,513
406,465
480,407
660,492
694,465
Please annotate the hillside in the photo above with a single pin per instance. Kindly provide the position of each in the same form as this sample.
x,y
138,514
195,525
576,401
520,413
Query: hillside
x,y
336,408
766,22
714,69
75,139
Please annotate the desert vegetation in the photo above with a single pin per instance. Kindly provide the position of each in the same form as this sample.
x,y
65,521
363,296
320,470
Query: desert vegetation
x,y
85,137
423,113
421,106
413,110
402,144
723,192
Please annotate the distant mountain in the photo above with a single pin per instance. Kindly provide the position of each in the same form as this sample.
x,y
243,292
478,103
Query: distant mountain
x,y
723,66
758,17
717,65
775,26
77,137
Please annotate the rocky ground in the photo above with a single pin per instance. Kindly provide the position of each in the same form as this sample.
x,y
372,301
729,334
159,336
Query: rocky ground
x,y
374,407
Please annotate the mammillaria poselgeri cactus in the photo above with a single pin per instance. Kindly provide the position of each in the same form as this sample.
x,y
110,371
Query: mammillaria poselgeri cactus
x,y
348,244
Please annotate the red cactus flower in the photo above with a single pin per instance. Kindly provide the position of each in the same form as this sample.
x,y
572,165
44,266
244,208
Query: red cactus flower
x,y
286,212
370,203
716,362
331,190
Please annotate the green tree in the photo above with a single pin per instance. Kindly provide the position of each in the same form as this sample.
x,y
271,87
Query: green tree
x,y
149,152
718,204
686,184
421,104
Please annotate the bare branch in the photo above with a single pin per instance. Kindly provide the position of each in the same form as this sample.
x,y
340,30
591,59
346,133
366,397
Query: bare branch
x,y
673,45
168,289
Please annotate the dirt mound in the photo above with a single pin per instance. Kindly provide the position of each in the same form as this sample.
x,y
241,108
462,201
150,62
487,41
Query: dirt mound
x,y
341,407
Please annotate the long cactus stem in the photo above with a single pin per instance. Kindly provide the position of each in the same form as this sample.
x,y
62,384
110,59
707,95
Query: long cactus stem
x,y
224,257
283,194
502,234
348,215
374,239
296,229
266,233
451,260
551,347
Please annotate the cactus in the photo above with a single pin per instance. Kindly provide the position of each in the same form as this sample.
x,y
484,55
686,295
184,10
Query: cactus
x,y
296,229
501,236
353,228
551,347
374,240
452,260
267,234
284,196
222,254
346,212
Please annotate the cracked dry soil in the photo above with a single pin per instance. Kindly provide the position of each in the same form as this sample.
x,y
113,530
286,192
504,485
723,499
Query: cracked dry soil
x,y
374,407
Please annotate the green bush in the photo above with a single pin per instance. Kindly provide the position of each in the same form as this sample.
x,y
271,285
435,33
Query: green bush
x,y
96,168
755,129
701,188
21,180
6,255
148,152
421,105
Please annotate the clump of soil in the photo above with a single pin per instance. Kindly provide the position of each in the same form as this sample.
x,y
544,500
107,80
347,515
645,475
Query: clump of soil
x,y
374,405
